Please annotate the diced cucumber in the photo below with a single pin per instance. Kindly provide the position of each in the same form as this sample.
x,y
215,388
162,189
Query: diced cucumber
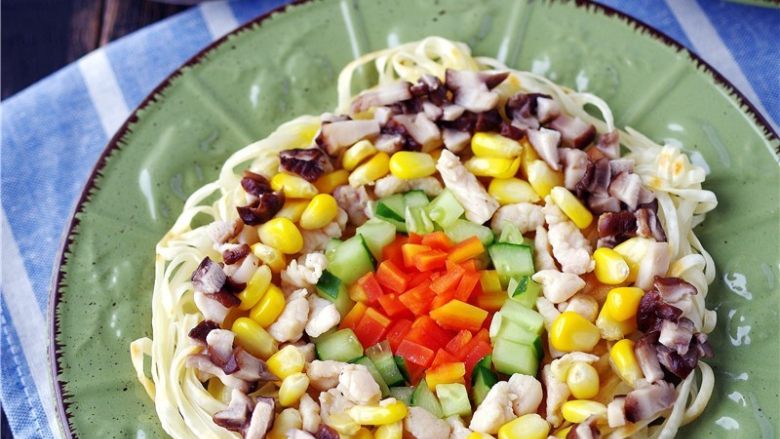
x,y
365,361
417,220
445,209
502,327
415,198
403,394
332,288
511,260
392,207
331,247
527,318
510,234
400,362
510,357
454,399
377,233
342,345
461,229
383,359
482,379
424,398
524,290
352,260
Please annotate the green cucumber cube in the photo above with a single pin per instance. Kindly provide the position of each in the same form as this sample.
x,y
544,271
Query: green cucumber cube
x,y
454,399
529,319
524,290
365,361
415,198
511,260
342,345
445,209
403,394
424,398
352,260
461,230
510,357
383,359
417,221
377,233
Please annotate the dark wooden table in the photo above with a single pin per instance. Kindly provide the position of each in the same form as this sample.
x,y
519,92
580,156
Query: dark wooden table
x,y
41,36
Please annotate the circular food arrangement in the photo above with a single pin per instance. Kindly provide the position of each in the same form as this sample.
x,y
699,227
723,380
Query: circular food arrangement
x,y
462,250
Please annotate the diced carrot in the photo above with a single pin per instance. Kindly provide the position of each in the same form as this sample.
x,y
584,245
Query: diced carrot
x,y
397,332
456,314
391,277
353,317
442,356
478,352
426,332
410,250
430,260
448,281
392,306
372,327
371,287
456,343
415,353
417,299
442,299
467,249
393,250
437,240
466,285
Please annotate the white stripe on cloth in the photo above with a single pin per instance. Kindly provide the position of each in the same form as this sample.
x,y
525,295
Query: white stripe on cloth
x,y
711,48
219,18
28,321
104,90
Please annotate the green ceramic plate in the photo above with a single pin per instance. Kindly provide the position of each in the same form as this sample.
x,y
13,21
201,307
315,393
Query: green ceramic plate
x,y
285,65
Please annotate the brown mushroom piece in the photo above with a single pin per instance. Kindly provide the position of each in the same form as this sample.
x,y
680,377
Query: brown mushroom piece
x,y
575,133
545,142
472,89
575,164
200,331
383,95
625,187
585,430
421,129
262,209
208,278
649,401
262,418
236,416
648,224
251,368
335,136
220,349
233,253
609,144
647,357
309,163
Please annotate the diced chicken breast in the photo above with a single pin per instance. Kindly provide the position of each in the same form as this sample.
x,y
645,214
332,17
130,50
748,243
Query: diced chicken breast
x,y
421,424
332,402
323,316
655,263
582,304
479,205
543,260
324,375
355,201
552,213
458,428
298,434
616,412
560,367
289,326
495,411
570,248
358,386
305,271
525,216
557,393
310,413
307,350
391,184
558,287
210,308
528,394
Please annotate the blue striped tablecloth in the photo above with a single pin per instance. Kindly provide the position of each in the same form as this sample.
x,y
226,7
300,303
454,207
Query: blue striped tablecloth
x,y
53,132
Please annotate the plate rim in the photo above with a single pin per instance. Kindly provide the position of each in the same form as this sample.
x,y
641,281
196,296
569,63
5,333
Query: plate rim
x,y
68,237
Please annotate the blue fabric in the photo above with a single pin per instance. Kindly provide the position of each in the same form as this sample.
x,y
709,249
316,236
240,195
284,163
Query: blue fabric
x,y
52,133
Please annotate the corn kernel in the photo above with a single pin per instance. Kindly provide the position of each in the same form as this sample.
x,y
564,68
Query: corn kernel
x,y
363,433
378,415
270,256
542,178
254,338
529,155
612,329
611,268
577,411
292,210
322,209
493,166
512,191
293,387
270,306
495,145
343,424
356,153
408,165
330,181
563,434
633,251
583,380
390,431
624,363
255,288
530,426
370,171
572,332
293,186
622,303
285,421
479,435
288,361
571,207
281,234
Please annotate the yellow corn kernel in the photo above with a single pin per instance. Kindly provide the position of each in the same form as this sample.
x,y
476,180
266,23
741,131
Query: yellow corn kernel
x,y
578,410
232,315
390,431
562,434
624,363
255,288
322,209
253,338
633,251
393,411
328,182
612,329
356,153
496,167
479,435
529,155
343,424
293,387
530,426
281,234
285,421
363,433
495,145
407,165
490,282
293,186
292,210
267,310
370,171
583,380
611,268
572,332
622,303
542,178
288,361
571,207
270,256
512,190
